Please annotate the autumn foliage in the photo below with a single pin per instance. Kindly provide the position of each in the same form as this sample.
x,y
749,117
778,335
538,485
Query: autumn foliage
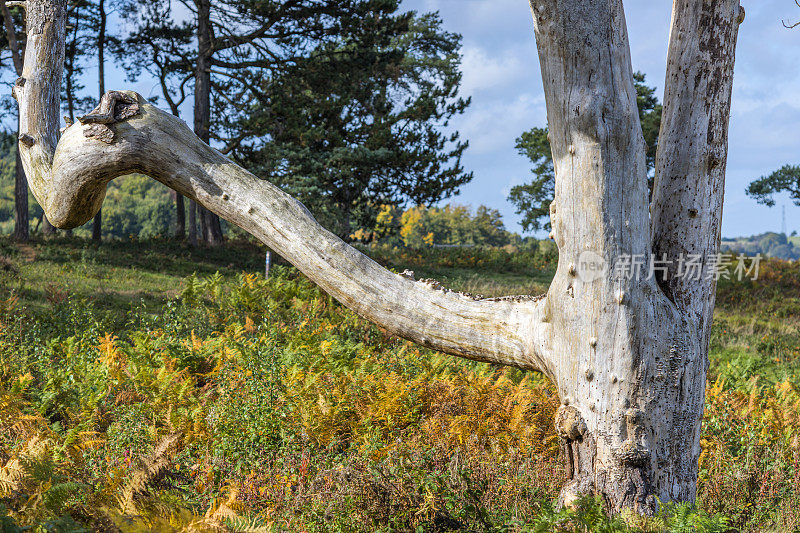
x,y
253,405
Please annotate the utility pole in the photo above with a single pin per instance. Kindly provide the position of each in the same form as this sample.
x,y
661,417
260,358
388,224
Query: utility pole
x,y
783,219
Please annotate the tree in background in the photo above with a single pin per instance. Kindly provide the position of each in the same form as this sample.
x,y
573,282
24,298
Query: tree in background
x,y
785,179
359,121
15,47
341,101
8,170
80,49
102,19
532,200
232,39
453,225
162,47
79,52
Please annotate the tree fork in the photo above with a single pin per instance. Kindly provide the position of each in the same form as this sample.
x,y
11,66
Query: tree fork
x,y
628,357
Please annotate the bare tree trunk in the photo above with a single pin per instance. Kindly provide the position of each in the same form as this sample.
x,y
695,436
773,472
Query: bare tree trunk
x,y
180,216
21,223
192,222
210,228
628,354
215,229
631,413
72,52
202,219
97,223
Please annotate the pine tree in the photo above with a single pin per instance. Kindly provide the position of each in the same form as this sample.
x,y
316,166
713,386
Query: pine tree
x,y
360,121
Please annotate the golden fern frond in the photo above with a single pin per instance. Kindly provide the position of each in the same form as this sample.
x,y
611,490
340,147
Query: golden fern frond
x,y
148,469
25,425
11,474
110,354
230,514
221,508
242,524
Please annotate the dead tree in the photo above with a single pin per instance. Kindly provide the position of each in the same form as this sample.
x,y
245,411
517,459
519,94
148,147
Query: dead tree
x,y
629,355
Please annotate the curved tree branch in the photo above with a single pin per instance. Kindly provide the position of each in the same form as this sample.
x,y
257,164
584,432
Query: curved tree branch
x,y
126,134
796,24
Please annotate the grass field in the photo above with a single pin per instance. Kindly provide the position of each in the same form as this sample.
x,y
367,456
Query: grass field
x,y
145,386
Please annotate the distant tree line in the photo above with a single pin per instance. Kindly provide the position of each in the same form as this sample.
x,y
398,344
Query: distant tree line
x,y
344,103
767,244
137,206
450,225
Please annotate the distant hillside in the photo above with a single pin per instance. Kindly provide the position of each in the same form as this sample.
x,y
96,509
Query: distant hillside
x,y
767,244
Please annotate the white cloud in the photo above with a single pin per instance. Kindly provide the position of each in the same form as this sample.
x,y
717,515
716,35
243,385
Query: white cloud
x,y
492,125
483,71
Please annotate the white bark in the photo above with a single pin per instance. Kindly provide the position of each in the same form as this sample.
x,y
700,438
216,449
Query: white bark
x,y
693,148
634,358
629,359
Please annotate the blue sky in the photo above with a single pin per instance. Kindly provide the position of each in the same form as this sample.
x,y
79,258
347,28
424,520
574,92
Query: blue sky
x,y
501,73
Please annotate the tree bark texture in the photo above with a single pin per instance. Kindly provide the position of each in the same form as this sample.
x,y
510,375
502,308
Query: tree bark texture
x,y
628,354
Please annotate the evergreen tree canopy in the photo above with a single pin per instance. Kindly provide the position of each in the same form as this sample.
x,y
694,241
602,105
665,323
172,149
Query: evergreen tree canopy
x,y
785,179
345,103
361,120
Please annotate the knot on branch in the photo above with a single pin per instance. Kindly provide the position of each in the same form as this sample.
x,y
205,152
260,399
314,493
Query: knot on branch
x,y
569,423
632,452
27,140
115,106
433,284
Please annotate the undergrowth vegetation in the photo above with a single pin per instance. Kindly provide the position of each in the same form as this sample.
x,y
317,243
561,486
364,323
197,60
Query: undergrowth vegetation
x,y
244,404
